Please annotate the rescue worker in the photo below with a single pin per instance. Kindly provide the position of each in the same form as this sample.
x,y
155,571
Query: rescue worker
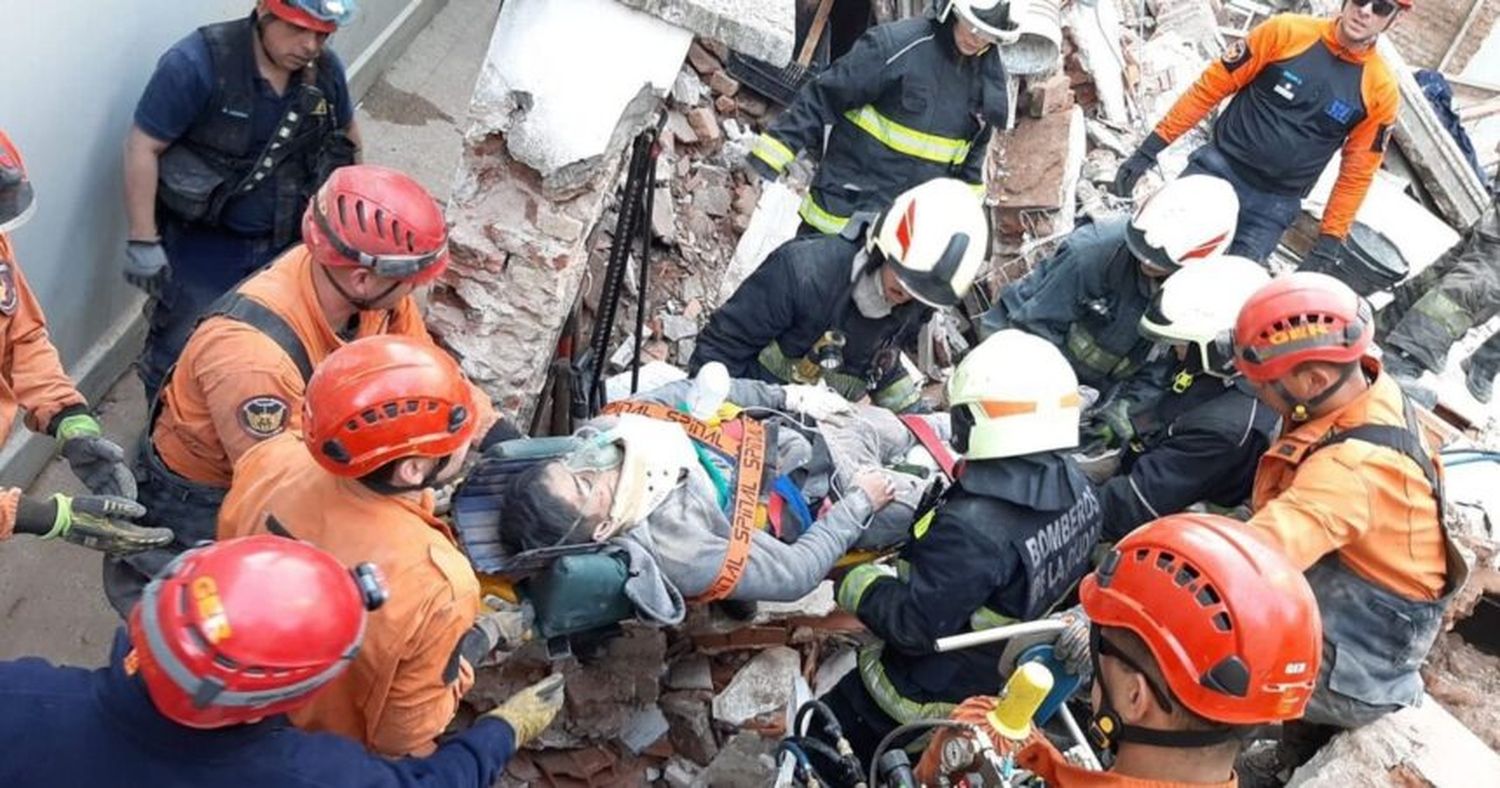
x,y
1304,89
1005,543
840,308
912,100
36,384
195,694
386,419
1184,670
825,485
1089,296
240,123
1208,432
1351,493
1466,293
241,377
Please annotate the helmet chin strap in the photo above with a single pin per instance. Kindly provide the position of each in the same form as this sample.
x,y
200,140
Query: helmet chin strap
x,y
1107,730
1302,411
362,304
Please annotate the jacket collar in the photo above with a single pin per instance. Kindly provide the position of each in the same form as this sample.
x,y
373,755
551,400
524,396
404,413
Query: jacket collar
x,y
1298,437
1046,482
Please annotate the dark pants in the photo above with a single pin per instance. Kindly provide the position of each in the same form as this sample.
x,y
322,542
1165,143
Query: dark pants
x,y
863,722
206,264
1460,291
190,509
1264,216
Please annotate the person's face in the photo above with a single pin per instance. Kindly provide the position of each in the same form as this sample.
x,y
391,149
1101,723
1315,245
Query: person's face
x,y
588,492
1360,25
896,293
378,292
454,467
289,46
969,41
1298,387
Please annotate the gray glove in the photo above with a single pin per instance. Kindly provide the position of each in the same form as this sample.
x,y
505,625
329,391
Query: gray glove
x,y
97,522
146,266
97,461
1072,644
500,625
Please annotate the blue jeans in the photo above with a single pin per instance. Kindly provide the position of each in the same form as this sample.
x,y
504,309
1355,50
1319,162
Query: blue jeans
x,y
206,264
1264,216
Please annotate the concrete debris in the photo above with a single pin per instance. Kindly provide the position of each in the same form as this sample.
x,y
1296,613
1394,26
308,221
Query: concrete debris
x,y
759,28
681,131
690,673
818,603
680,773
744,762
677,327
705,125
644,729
1423,745
763,686
703,61
692,731
723,84
688,89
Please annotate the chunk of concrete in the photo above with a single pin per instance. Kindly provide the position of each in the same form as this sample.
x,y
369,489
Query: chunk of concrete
x,y
688,89
759,28
691,672
644,729
678,327
763,686
744,762
691,731
1423,745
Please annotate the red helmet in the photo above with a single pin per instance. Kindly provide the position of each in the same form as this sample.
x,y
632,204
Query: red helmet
x,y
16,197
377,218
1300,317
383,398
322,16
1232,624
248,628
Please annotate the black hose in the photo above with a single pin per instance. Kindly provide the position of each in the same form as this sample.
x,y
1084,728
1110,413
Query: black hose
x,y
910,727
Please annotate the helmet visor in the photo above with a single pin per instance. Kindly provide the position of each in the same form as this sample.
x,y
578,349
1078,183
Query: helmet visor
x,y
390,266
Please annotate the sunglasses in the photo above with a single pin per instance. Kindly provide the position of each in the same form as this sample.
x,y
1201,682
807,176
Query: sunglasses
x,y
1380,7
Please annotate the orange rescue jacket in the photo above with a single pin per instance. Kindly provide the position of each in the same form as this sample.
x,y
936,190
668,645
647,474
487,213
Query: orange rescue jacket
x,y
1045,761
234,387
403,688
32,379
1370,503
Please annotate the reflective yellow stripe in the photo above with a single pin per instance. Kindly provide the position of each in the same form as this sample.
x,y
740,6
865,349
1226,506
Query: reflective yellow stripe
x,y
821,220
979,190
1082,346
907,140
897,396
898,708
771,151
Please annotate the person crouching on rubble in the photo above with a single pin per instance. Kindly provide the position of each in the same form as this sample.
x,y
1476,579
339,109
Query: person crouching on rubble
x,y
638,476
1352,494
1004,544
841,308
386,420
196,694
1199,632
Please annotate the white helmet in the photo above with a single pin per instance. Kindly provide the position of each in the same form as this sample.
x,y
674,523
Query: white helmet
x,y
989,18
1198,305
936,236
1191,218
1015,394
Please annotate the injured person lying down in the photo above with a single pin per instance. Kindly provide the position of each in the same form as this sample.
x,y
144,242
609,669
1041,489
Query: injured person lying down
x,y
755,502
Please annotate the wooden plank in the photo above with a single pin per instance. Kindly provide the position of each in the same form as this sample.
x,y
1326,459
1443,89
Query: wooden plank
x,y
1463,30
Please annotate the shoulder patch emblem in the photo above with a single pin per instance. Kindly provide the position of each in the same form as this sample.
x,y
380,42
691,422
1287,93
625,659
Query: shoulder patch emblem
x,y
263,416
8,295
1235,54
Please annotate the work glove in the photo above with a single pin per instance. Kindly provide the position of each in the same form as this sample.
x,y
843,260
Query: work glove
x,y
501,625
1072,645
146,266
98,522
1110,426
818,402
852,588
1134,167
1324,255
531,710
97,461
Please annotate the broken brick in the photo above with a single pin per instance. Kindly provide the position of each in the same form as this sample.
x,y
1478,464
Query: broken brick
x,y
703,61
723,84
726,105
705,124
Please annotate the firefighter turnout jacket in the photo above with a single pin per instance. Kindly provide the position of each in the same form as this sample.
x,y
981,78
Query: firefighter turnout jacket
x,y
1299,97
32,379
905,106
782,312
402,689
1007,543
1202,445
235,386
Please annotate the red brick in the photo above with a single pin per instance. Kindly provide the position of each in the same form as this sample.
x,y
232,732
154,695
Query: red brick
x,y
723,84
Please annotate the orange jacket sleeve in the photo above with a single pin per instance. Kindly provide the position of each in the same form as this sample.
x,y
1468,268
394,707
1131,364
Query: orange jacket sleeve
x,y
1228,75
32,367
241,371
1363,150
10,497
1326,508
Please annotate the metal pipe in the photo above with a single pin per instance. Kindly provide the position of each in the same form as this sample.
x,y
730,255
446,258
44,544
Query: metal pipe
x,y
971,639
1090,760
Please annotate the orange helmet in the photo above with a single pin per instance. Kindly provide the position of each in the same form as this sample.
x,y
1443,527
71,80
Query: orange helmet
x,y
322,16
248,628
374,217
384,398
1230,621
17,200
1300,317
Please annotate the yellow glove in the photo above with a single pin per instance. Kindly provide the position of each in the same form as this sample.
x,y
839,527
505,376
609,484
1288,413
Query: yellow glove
x,y
531,710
